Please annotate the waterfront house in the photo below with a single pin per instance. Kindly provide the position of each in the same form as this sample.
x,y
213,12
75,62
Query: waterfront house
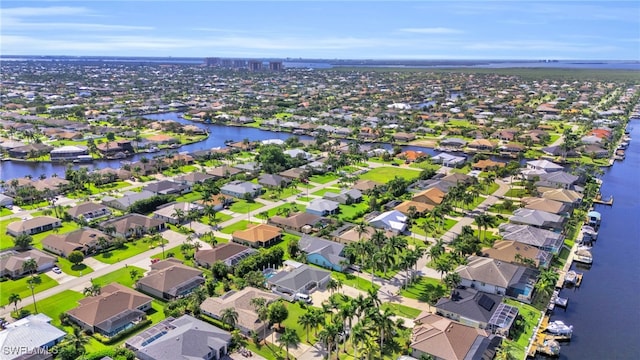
x,y
478,309
455,143
537,218
224,171
544,165
542,239
240,300
169,212
129,198
169,279
551,206
448,160
298,278
88,211
33,226
86,240
519,253
557,179
482,144
30,338
392,220
498,277
326,253
29,151
569,197
133,225
115,309
487,164
54,185
12,262
323,207
183,338
440,338
258,235
229,254
241,189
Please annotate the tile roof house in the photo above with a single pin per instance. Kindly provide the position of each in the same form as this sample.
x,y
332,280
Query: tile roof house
x,y
86,240
445,339
544,165
300,222
166,187
298,278
240,301
34,225
229,254
132,225
432,196
183,338
366,185
478,309
392,220
498,277
519,253
194,178
273,180
88,211
420,208
540,238
129,198
169,279
482,144
114,310
258,235
240,189
224,171
12,262
345,197
29,336
326,253
323,207
453,142
168,213
487,164
551,206
294,173
557,179
537,218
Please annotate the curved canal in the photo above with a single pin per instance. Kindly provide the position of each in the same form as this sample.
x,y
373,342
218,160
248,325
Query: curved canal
x,y
605,310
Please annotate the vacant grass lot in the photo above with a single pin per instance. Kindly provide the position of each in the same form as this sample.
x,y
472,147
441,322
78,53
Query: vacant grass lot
x,y
350,212
272,194
425,289
402,310
321,192
129,249
323,179
386,174
121,276
20,287
92,189
354,281
280,210
240,225
241,206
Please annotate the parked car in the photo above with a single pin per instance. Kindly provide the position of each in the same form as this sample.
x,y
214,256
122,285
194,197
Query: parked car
x,y
56,270
302,297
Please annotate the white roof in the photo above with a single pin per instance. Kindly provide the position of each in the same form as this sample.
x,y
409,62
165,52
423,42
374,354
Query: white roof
x,y
394,220
69,148
31,332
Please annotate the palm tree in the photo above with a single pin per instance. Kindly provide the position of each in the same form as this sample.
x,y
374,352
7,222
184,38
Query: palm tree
x,y
437,249
14,299
332,285
229,316
289,338
78,339
307,321
547,281
384,323
93,290
360,334
260,304
386,258
346,312
31,266
443,265
361,228
328,336
179,215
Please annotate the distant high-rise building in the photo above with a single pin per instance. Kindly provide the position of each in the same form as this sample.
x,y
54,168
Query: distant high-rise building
x,y
275,66
212,61
227,63
255,65
239,63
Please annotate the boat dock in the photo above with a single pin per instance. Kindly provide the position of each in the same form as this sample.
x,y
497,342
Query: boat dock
x,y
599,200
543,342
562,279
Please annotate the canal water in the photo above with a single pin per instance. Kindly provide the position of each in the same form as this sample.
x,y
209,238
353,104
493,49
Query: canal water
x,y
605,310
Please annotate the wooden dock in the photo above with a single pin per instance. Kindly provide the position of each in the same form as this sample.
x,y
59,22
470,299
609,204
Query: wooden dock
x,y
599,200
541,341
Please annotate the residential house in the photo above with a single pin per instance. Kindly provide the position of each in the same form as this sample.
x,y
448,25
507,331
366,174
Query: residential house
x,y
193,178
162,139
557,179
258,235
86,240
545,165
229,254
273,181
366,185
548,205
183,338
88,211
116,309
403,136
478,309
30,338
413,208
132,225
448,159
12,262
432,196
294,173
455,143
440,338
482,145
240,300
54,185
487,164
300,222
170,279
519,253
392,220
6,201
457,178
218,201
345,197
412,155
299,154
169,212
542,239
224,171
512,148
29,150
129,198
323,207
241,189
298,278
538,218
34,225
498,277
594,151
326,253
166,187
113,147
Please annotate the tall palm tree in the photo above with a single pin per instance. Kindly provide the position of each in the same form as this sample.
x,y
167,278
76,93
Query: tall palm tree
x,y
31,266
437,249
386,258
289,338
346,312
307,320
360,334
93,290
332,285
328,337
384,323
14,299
360,229
78,339
229,316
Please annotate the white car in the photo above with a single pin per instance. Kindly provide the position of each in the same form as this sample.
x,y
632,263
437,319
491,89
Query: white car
x,y
56,270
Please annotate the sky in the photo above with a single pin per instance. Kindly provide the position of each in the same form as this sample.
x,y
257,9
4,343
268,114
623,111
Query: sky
x,y
590,30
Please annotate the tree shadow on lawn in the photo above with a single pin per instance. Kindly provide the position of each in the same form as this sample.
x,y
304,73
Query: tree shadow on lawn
x,y
78,267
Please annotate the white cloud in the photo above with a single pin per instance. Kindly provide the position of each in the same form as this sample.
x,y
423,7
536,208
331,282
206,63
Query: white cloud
x,y
14,25
431,30
44,11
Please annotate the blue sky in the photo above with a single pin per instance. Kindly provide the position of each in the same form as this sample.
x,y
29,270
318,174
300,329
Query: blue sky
x,y
324,29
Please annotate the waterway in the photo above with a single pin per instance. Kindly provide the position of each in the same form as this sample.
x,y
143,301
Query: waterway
x,y
605,310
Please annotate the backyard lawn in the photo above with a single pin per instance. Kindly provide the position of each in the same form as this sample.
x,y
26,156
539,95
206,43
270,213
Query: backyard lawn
x,y
354,281
531,317
129,249
353,211
425,289
190,197
121,276
323,179
387,173
241,206
402,310
21,288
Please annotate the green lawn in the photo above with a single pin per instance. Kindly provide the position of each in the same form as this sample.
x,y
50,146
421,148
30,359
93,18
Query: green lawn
x,y
353,212
240,225
75,270
21,288
531,316
177,254
516,193
280,210
499,209
241,206
220,217
121,276
387,173
92,189
321,192
130,249
425,289
34,206
5,212
54,305
493,187
439,230
190,197
354,281
271,194
67,226
323,179
292,322
305,198
402,310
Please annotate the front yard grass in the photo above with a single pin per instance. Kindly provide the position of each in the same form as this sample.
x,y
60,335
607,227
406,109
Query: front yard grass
x,y
242,206
402,310
493,187
69,268
354,281
129,249
240,225
425,289
92,189
282,209
323,179
121,276
272,194
385,174
321,192
20,287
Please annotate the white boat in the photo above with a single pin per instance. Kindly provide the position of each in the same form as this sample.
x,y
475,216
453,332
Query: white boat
x,y
583,256
559,328
571,277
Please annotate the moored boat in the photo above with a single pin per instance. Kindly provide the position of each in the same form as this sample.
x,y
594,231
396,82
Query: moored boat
x,y
559,328
583,256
